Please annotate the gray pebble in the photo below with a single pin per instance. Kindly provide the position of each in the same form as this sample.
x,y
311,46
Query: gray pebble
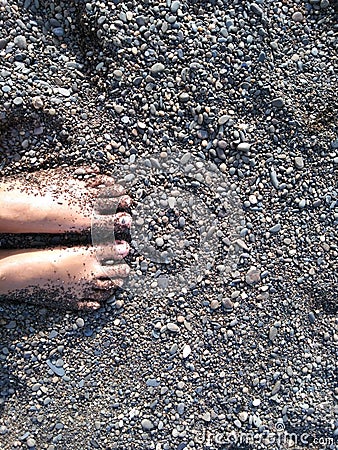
x,y
297,16
274,179
276,228
173,327
159,242
184,97
276,387
58,31
302,203
59,371
65,92
256,9
21,42
253,276
244,146
277,102
3,43
157,68
312,317
223,119
299,162
180,408
80,322
175,6
31,442
18,101
3,429
181,222
147,424
272,333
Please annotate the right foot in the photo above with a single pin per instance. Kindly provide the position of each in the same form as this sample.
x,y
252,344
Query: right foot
x,y
67,277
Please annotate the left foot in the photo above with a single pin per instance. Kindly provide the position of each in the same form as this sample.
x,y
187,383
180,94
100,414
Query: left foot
x,y
52,201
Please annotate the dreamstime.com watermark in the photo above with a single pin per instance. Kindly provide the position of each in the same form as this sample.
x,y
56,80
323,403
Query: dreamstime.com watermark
x,y
278,438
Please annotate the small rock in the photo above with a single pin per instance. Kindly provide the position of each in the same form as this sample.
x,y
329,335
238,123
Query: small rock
x,y
297,16
58,31
173,327
237,423
3,429
206,417
222,144
57,370
184,97
272,333
159,242
175,6
278,102
253,199
299,162
276,387
65,92
227,303
256,9
243,146
11,325
186,351
223,119
21,42
243,415
312,317
181,222
118,74
302,203
215,304
324,4
152,382
253,276
18,101
276,228
157,68
37,102
147,424
274,179
80,322
256,402
180,409
172,202
31,442
3,43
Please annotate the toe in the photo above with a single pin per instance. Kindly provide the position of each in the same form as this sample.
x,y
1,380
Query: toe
x,y
112,223
112,190
116,251
88,305
109,205
108,188
116,270
107,285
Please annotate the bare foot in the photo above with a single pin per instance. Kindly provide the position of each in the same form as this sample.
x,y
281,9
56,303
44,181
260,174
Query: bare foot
x,y
53,201
63,277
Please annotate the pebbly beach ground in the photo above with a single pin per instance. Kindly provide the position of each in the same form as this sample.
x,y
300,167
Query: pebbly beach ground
x,y
232,104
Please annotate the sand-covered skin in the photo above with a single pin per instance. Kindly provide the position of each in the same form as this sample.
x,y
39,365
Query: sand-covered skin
x,y
249,350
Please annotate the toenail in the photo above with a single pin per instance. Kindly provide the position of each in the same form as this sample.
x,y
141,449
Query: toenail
x,y
125,220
